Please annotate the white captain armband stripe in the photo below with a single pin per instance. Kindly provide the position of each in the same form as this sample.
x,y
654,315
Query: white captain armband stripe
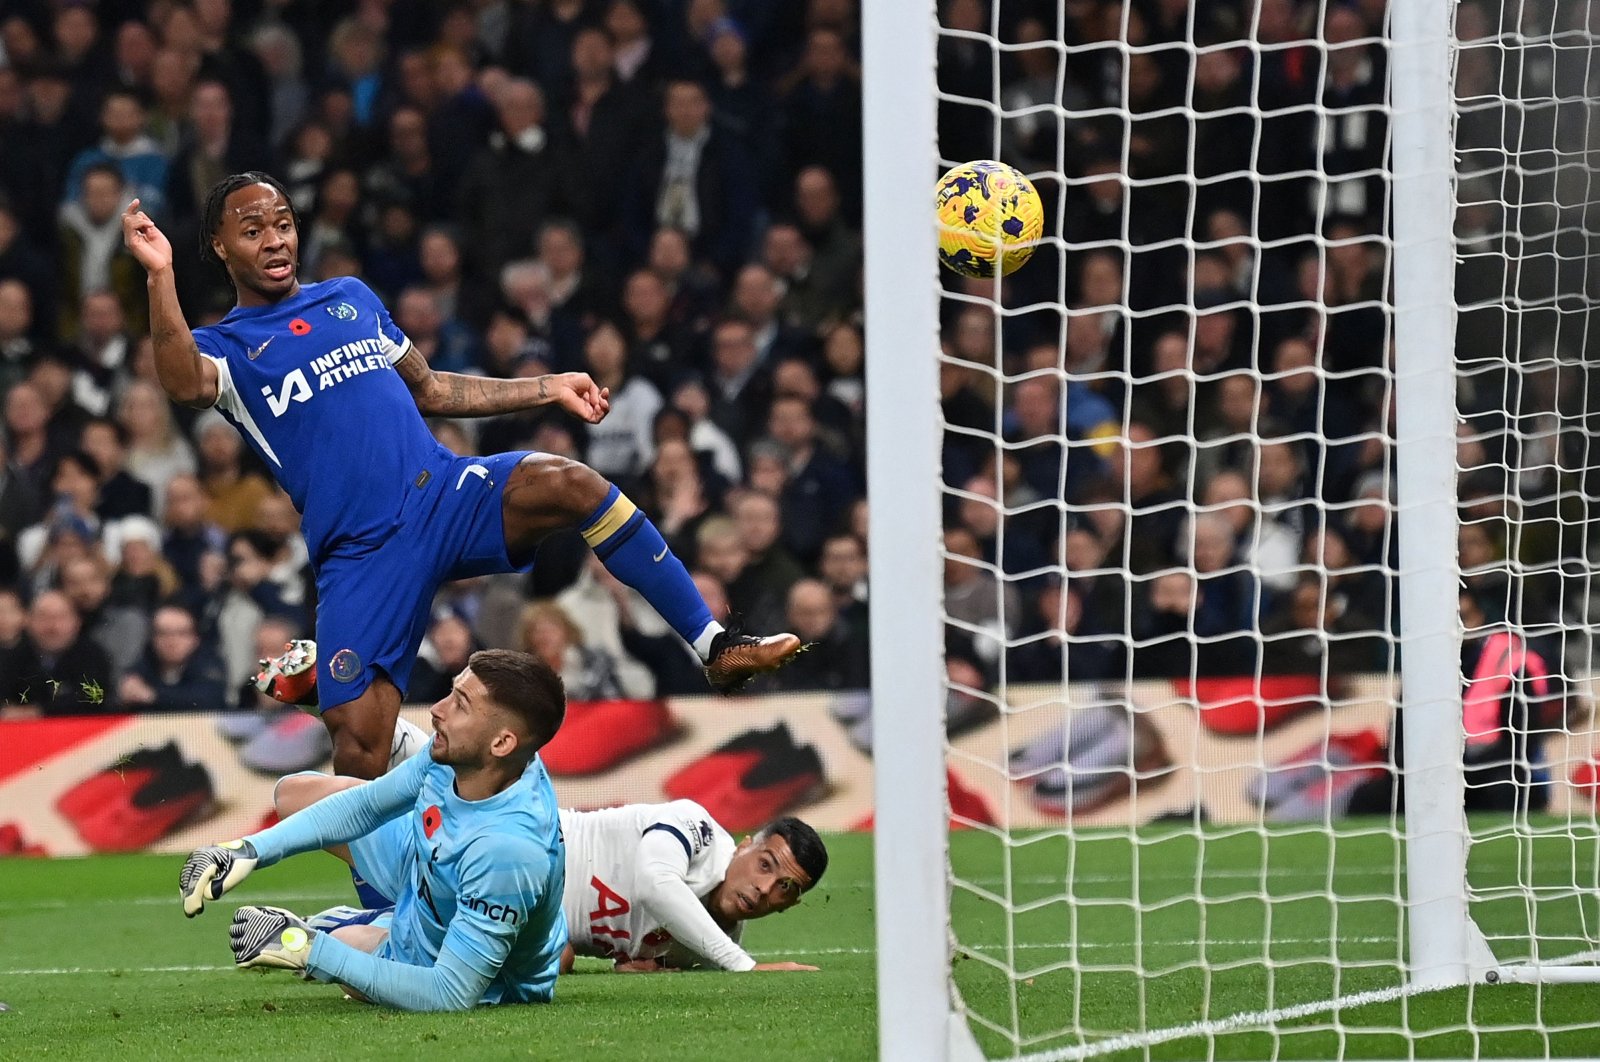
x,y
395,352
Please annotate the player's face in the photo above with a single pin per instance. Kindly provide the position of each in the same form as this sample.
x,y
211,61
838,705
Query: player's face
x,y
469,728
258,241
763,878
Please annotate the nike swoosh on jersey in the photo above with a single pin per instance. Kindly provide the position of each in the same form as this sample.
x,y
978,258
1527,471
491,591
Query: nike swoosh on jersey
x,y
658,556
256,353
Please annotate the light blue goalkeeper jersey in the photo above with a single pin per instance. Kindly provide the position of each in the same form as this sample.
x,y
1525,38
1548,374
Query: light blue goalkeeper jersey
x,y
479,918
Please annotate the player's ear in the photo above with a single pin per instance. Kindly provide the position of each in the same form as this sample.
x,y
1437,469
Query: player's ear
x,y
505,743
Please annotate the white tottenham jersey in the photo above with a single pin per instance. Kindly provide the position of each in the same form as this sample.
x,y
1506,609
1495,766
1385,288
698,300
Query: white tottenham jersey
x,y
636,879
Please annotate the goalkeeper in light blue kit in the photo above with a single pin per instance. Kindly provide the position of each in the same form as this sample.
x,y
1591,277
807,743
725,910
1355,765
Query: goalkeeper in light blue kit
x,y
467,839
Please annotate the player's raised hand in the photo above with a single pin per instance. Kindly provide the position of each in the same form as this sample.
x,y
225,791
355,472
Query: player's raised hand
x,y
270,936
148,244
211,871
578,394
784,967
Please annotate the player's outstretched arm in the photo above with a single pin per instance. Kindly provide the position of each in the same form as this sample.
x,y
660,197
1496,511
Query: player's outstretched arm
x,y
336,819
449,394
188,378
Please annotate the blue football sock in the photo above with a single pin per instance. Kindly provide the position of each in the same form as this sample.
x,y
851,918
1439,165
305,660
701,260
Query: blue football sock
x,y
631,548
370,897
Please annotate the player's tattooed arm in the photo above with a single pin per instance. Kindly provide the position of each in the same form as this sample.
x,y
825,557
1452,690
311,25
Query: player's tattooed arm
x,y
187,377
449,394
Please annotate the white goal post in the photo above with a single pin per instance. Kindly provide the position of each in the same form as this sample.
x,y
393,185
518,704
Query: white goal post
x,y
955,913
914,1011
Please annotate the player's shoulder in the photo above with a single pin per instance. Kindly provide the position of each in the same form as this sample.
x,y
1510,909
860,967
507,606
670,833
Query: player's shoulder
x,y
341,285
353,290
688,821
686,810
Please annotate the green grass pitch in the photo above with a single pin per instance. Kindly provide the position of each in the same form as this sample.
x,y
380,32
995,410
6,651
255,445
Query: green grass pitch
x,y
97,962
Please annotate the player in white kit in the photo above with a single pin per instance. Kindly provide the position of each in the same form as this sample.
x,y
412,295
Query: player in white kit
x,y
658,886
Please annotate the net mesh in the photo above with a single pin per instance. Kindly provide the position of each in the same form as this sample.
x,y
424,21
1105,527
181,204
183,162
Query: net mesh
x,y
1525,84
1171,562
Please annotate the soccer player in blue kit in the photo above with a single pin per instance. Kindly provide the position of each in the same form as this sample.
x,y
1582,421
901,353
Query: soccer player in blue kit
x,y
331,396
466,837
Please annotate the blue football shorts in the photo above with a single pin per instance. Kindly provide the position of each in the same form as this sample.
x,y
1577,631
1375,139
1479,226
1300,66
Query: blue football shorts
x,y
374,600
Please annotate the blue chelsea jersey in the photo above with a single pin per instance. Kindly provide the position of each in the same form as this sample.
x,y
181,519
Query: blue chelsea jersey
x,y
311,385
497,865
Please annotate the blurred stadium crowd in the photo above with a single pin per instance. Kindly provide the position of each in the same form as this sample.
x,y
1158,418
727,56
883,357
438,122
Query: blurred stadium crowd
x,y
1195,474
665,195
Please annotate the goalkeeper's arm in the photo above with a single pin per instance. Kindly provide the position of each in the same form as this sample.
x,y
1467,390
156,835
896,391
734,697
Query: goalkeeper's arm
x,y
337,819
475,947
456,981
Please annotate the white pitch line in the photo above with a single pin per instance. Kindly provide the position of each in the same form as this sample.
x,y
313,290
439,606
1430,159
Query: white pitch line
x,y
810,952
1097,945
55,970
987,881
164,901
1257,1018
1232,1023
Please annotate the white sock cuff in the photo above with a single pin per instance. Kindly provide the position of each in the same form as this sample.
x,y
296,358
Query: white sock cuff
x,y
702,642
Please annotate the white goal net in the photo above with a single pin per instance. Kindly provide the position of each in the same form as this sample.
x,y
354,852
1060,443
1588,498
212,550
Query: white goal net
x,y
1232,558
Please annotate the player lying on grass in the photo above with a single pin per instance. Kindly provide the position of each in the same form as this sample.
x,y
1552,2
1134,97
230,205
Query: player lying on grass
x,y
651,886
466,839
663,886
331,396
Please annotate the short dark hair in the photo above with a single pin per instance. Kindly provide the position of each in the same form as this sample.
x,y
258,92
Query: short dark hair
x,y
127,92
806,847
115,426
211,217
526,687
107,169
84,460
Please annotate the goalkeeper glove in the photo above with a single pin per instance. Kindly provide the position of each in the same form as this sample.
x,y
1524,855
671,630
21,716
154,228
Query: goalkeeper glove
x,y
270,936
291,677
211,871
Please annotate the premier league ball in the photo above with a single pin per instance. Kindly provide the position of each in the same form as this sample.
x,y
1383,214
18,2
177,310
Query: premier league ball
x,y
989,217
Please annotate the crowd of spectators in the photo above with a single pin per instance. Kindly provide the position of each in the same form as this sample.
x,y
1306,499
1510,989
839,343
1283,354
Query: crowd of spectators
x,y
1196,392
1182,464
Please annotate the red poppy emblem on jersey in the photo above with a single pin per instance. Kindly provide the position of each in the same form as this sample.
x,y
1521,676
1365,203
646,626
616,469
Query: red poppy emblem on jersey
x,y
431,820
299,326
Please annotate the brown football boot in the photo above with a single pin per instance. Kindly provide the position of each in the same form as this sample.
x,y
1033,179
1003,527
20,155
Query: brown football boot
x,y
738,658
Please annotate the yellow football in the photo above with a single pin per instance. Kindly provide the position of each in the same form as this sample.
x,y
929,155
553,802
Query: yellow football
x,y
990,218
